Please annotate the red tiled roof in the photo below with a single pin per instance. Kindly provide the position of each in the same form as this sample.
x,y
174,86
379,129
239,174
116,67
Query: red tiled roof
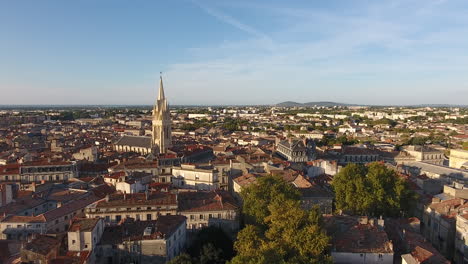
x,y
206,201
9,169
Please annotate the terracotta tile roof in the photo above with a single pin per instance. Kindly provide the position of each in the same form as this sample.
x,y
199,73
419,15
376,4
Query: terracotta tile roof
x,y
115,175
43,244
247,179
9,169
70,207
83,224
154,198
348,235
24,219
46,163
449,208
102,190
131,230
206,201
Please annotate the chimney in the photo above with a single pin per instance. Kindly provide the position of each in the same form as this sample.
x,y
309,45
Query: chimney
x,y
381,222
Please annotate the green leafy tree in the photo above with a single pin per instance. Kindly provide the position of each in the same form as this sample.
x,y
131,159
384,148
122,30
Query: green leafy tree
x,y
372,190
267,190
279,230
182,259
211,255
211,245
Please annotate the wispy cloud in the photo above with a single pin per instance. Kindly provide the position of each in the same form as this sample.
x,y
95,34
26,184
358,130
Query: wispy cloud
x,y
235,23
325,54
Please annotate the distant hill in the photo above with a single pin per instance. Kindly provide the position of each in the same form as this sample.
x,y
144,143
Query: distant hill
x,y
327,104
289,104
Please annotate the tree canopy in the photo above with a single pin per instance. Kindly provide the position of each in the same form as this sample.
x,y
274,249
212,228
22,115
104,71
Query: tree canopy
x,y
210,246
279,230
266,191
372,190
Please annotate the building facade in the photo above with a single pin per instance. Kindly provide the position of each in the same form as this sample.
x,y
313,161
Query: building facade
x,y
161,138
190,176
458,159
296,150
140,206
48,171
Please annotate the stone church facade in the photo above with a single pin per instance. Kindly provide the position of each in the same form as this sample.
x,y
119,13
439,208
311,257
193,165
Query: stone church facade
x,y
161,139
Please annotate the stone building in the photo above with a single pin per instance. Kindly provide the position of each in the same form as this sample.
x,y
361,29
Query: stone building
x,y
458,159
358,155
140,206
57,220
438,224
42,249
215,208
189,176
84,234
426,154
155,241
47,171
161,139
296,150
461,239
359,240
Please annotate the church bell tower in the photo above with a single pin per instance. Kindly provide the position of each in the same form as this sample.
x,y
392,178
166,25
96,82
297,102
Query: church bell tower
x,y
161,139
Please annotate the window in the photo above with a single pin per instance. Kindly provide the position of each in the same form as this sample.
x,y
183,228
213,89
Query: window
x,y
210,216
201,216
148,217
118,218
192,217
73,242
86,246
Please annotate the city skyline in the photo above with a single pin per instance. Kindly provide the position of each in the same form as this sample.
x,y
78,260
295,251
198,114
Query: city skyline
x,y
233,53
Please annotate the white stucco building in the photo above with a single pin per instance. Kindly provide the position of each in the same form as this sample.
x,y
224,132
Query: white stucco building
x,y
190,176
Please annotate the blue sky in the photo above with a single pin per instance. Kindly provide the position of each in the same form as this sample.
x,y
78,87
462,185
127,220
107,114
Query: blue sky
x,y
233,52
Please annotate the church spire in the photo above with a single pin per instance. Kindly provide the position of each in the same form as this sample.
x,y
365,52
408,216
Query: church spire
x,y
161,89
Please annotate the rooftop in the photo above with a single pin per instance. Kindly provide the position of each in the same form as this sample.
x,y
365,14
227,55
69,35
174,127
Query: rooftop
x,y
154,198
130,230
83,224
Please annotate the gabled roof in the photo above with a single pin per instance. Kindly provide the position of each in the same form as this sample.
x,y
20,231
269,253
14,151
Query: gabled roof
x,y
134,141
206,201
